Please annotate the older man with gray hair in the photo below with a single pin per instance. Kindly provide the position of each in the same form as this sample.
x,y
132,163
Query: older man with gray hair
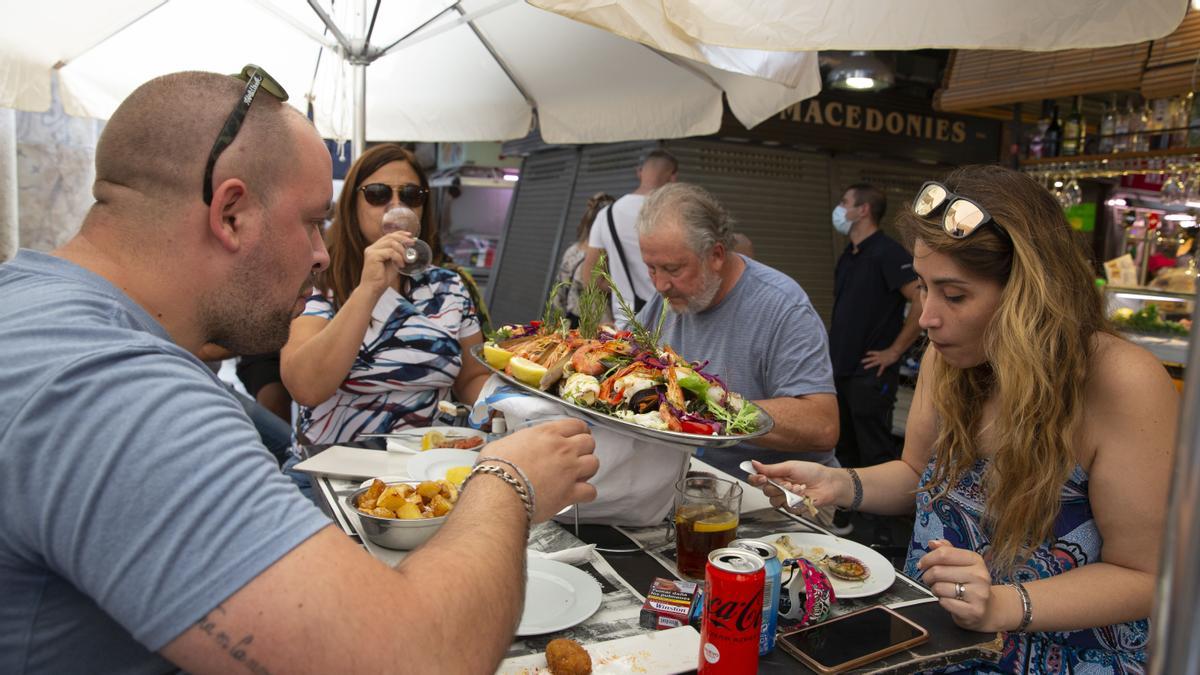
x,y
754,325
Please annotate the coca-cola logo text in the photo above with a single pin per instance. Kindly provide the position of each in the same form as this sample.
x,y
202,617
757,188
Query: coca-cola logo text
x,y
735,614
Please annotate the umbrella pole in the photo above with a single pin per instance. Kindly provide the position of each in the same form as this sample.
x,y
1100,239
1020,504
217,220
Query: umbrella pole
x,y
359,141
1173,647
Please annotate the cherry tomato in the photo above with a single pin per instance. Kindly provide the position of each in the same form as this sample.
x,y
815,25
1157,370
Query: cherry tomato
x,y
690,427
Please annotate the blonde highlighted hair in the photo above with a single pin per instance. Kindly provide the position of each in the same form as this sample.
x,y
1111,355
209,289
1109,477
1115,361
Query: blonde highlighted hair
x,y
1039,351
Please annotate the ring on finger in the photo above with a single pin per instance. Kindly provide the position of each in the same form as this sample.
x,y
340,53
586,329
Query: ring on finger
x,y
959,589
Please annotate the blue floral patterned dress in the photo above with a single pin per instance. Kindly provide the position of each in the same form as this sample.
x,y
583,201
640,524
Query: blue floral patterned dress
x,y
408,360
1119,648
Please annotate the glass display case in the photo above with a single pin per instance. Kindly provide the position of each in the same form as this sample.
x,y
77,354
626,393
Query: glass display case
x,y
1156,318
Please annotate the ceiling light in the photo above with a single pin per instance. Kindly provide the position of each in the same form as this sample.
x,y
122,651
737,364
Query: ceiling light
x,y
1178,216
860,71
1118,201
511,177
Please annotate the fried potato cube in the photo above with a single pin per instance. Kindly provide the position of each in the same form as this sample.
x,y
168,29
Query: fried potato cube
x,y
408,512
428,489
366,504
392,498
377,487
568,657
382,512
440,506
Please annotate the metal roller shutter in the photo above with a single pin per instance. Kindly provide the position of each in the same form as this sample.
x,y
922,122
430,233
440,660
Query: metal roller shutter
x,y
780,200
610,168
526,255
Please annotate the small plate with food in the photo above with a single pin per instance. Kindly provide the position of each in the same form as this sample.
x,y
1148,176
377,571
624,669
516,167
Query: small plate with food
x,y
854,570
665,651
433,438
442,464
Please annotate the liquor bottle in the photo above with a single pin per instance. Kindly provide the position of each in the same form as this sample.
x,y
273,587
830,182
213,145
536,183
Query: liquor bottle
x,y
1072,135
1121,140
1181,109
1139,128
1052,145
1108,127
1037,147
1193,120
1160,124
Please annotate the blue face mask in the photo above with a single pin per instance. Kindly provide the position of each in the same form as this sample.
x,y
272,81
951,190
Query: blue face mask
x,y
839,220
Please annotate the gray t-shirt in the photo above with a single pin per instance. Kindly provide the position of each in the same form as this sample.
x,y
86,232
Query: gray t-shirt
x,y
764,340
137,494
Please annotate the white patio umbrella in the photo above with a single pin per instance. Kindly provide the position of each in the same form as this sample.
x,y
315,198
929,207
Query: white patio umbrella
x,y
439,70
693,26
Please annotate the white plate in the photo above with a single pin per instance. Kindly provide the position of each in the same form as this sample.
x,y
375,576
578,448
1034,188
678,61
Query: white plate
x,y
409,440
882,572
433,464
557,596
355,463
675,650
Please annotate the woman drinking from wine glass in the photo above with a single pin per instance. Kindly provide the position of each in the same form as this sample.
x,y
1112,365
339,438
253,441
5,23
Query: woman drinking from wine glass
x,y
379,345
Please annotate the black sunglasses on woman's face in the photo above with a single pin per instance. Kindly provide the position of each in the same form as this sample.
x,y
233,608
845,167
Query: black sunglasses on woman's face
x,y
380,194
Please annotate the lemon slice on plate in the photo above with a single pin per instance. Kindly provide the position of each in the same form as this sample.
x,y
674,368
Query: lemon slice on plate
x,y
432,439
496,356
456,475
526,371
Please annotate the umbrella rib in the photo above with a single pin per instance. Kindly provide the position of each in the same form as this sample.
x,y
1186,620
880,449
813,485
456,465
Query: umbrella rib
x,y
499,61
272,8
687,65
411,39
63,62
412,32
337,32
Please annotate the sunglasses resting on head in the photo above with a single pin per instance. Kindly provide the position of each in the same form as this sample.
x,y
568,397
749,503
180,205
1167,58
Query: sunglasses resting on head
x,y
380,194
961,217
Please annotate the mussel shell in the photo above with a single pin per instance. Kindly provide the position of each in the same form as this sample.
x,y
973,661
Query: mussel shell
x,y
644,401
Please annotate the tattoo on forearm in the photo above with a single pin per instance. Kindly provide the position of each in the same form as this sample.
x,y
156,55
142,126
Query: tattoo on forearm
x,y
237,649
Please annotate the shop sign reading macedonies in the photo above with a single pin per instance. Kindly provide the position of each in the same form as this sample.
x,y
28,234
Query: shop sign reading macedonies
x,y
894,126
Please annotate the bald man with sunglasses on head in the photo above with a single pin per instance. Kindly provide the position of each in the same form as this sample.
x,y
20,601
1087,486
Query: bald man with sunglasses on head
x,y
146,528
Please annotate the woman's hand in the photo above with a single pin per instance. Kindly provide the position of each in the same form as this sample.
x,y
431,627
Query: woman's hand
x,y
960,580
381,260
816,481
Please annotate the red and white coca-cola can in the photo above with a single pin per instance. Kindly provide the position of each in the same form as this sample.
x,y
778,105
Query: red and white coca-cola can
x,y
733,600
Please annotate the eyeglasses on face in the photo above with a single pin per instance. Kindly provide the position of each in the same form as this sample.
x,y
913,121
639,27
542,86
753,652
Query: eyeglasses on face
x,y
380,194
256,78
961,217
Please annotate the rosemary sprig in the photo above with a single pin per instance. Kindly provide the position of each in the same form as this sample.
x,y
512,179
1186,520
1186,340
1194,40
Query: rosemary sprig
x,y
592,302
552,315
645,338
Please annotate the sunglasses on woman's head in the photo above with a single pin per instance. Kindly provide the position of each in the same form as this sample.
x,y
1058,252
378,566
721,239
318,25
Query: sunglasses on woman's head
x,y
961,217
380,194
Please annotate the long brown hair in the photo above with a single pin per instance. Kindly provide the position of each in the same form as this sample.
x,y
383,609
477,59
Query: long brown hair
x,y
345,240
1039,350
594,204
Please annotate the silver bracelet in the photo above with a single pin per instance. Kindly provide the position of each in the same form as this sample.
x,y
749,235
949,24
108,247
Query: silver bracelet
x,y
501,473
528,483
1026,606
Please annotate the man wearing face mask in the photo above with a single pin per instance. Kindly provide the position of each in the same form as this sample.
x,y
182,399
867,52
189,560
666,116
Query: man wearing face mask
x,y
869,332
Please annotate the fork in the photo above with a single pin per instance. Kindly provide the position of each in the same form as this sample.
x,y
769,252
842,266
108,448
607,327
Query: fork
x,y
792,498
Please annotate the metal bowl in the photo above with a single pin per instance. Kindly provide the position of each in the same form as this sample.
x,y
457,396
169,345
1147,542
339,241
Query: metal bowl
x,y
394,533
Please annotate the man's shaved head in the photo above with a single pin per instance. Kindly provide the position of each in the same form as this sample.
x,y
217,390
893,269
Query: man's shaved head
x,y
158,141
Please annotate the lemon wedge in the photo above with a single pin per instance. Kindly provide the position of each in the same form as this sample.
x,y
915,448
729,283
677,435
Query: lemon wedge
x,y
456,475
495,356
717,523
526,371
432,439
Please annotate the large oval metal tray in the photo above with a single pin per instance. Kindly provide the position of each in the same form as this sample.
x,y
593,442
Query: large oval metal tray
x,y
765,423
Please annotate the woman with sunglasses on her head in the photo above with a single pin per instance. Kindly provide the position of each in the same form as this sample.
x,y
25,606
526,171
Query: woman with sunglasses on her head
x,y
375,350
1038,445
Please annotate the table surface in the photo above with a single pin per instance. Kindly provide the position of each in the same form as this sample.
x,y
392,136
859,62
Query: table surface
x,y
948,644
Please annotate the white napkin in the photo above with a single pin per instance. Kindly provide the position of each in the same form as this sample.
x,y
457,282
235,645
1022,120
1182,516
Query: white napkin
x,y
576,555
635,483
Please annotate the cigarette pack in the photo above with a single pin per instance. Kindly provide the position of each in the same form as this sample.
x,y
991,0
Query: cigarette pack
x,y
669,604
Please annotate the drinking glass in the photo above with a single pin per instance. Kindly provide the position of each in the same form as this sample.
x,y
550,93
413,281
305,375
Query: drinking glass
x,y
706,518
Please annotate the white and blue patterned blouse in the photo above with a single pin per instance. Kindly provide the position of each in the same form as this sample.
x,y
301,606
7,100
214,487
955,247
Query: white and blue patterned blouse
x,y
409,358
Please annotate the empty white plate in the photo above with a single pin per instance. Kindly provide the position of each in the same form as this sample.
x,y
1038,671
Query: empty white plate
x,y
557,596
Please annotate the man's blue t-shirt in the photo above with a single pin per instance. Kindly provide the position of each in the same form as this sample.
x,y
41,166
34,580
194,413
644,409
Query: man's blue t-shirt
x,y
137,496
764,340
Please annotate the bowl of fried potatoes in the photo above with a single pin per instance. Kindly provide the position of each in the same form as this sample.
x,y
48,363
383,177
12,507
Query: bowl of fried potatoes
x,y
402,515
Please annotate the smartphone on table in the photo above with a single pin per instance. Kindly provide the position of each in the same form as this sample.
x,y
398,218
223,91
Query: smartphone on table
x,y
853,639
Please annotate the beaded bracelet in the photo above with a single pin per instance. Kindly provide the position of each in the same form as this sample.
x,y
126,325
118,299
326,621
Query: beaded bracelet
x,y
1026,606
514,467
858,491
504,475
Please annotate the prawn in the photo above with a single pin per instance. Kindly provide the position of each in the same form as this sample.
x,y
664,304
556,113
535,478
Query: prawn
x,y
669,417
588,358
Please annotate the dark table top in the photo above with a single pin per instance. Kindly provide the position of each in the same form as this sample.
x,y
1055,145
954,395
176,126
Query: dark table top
x,y
948,644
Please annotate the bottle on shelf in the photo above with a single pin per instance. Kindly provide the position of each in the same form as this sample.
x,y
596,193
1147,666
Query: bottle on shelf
x,y
1052,142
1121,129
1140,129
1037,147
1193,137
1108,126
1159,129
1073,131
1181,110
